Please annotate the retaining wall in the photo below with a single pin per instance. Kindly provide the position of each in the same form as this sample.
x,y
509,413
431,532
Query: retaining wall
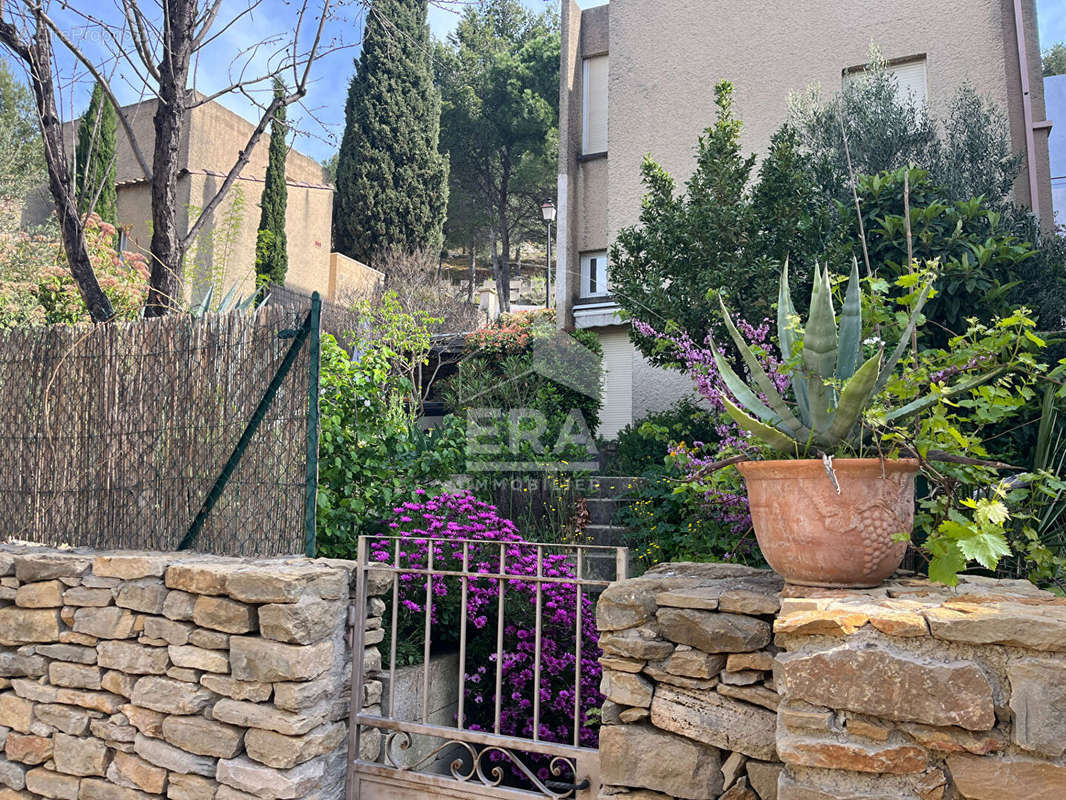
x,y
722,683
130,676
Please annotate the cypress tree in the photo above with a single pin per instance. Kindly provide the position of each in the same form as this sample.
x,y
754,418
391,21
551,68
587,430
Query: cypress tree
x,y
271,246
95,161
391,178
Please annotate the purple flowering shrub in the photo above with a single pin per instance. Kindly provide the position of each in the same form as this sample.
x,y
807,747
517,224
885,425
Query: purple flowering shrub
x,y
457,517
724,498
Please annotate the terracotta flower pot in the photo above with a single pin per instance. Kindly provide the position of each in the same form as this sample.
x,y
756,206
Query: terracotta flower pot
x,y
813,536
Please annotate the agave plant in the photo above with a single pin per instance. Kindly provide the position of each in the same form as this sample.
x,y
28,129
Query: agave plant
x,y
832,390
230,302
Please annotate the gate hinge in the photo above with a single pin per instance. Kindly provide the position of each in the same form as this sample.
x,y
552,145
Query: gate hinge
x,y
351,627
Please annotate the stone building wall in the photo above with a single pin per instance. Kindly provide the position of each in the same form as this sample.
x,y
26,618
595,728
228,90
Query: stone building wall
x,y
911,691
133,676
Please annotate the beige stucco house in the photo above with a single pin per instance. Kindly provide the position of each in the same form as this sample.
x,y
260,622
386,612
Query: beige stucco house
x,y
637,77
224,254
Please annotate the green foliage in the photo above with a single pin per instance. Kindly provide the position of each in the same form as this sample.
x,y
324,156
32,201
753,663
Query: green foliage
x,y
1054,60
330,166
832,391
391,179
499,78
271,245
1013,526
231,301
981,261
209,255
21,151
372,456
36,287
668,525
1042,277
645,443
953,513
968,154
95,158
717,235
524,363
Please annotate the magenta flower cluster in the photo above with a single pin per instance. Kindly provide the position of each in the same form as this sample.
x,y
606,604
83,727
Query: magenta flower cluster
x,y
455,521
726,507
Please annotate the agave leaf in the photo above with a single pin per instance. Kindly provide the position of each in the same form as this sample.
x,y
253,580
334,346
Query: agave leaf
x,y
227,300
771,436
762,381
929,400
820,353
251,302
205,304
741,391
904,340
853,400
1048,420
850,345
786,338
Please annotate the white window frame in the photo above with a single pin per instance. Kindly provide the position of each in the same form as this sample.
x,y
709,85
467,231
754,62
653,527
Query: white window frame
x,y
603,284
585,85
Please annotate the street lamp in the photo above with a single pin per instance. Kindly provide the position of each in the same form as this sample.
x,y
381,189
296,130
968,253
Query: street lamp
x,y
547,213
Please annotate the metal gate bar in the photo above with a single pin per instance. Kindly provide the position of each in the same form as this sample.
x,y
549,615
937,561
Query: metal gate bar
x,y
565,757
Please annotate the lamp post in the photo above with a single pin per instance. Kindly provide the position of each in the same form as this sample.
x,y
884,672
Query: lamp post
x,y
547,213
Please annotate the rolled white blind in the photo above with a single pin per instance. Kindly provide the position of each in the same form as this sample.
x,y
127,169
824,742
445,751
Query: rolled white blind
x,y
911,78
594,135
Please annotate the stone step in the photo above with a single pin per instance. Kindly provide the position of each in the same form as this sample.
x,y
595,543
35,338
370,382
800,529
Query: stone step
x,y
612,486
602,510
605,535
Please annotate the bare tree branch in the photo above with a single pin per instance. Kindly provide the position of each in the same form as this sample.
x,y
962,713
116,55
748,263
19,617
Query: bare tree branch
x,y
36,54
268,116
106,86
205,23
136,21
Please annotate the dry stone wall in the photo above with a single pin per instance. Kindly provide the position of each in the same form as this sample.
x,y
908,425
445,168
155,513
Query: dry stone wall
x,y
130,676
722,684
687,673
914,691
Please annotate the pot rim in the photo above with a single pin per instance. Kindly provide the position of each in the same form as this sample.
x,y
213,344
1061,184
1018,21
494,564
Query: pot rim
x,y
813,467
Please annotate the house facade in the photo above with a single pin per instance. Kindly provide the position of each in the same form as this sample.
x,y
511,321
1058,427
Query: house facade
x,y
638,78
223,255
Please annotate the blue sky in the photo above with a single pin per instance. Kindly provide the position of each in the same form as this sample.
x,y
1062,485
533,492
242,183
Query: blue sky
x,y
320,120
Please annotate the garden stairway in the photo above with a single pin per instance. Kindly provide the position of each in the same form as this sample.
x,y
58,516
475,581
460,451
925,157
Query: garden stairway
x,y
606,496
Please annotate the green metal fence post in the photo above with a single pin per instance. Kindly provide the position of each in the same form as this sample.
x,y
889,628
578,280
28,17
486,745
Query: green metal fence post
x,y
311,498
298,336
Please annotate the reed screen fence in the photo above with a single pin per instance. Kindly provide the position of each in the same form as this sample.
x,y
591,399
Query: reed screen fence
x,y
143,435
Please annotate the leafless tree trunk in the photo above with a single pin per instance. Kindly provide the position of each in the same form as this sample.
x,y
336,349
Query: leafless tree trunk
x,y
33,46
473,271
168,244
503,278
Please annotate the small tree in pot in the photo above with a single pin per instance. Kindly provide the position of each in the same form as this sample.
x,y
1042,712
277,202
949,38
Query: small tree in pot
x,y
827,515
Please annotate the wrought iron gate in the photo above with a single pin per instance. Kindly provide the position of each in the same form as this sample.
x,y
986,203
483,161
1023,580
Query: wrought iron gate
x,y
474,753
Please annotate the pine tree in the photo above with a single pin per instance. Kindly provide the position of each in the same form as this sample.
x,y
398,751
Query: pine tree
x,y
271,246
95,161
391,178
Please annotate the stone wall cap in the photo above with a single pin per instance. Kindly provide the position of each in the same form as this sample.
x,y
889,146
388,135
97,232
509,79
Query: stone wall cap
x,y
979,610
705,571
